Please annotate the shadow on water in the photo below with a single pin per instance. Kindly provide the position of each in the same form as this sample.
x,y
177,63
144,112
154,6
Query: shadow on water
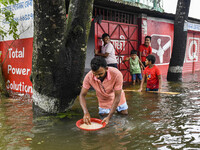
x,y
155,121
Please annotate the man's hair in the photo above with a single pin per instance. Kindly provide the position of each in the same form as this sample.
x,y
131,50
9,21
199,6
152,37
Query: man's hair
x,y
133,52
105,35
97,62
151,58
148,37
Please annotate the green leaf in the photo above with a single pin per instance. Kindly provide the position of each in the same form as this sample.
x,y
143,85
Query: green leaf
x,y
9,18
67,114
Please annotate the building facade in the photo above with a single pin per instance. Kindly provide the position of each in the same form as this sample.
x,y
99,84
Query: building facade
x,y
127,25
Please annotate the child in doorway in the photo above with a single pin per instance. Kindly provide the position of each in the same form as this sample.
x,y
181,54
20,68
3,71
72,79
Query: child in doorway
x,y
152,74
135,66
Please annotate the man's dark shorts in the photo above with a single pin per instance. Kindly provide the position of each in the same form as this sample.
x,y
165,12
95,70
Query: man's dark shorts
x,y
148,89
112,65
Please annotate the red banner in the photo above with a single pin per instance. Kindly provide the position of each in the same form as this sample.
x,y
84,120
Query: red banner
x,y
17,64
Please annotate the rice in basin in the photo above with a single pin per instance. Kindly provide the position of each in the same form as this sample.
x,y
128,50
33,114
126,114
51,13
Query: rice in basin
x,y
93,125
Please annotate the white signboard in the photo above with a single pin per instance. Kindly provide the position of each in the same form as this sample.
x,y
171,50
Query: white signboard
x,y
24,16
193,26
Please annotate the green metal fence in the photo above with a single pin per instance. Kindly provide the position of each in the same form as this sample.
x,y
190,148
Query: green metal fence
x,y
149,4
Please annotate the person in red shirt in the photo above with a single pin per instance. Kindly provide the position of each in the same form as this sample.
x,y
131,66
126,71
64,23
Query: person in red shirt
x,y
152,74
145,49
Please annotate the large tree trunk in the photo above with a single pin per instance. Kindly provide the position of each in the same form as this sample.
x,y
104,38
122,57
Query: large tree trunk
x,y
3,90
59,52
180,40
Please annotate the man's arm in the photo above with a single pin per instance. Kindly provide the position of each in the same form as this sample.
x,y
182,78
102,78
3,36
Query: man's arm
x,y
141,64
160,83
86,117
101,54
140,54
114,106
128,58
150,50
142,83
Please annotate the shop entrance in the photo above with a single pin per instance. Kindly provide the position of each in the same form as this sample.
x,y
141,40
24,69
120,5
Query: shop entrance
x,y
124,38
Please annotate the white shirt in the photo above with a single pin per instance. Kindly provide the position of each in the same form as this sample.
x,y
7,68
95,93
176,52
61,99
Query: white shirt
x,y
108,48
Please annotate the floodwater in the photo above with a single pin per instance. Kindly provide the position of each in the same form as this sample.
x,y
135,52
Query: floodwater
x,y
155,121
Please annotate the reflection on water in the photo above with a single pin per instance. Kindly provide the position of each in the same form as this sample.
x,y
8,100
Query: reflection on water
x,y
155,121
15,123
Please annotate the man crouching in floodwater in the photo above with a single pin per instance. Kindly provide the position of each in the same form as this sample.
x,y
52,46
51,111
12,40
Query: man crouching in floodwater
x,y
107,82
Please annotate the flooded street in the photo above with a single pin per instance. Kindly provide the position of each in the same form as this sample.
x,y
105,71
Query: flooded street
x,y
155,121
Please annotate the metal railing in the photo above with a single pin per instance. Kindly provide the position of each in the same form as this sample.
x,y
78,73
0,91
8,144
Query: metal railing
x,y
115,15
149,4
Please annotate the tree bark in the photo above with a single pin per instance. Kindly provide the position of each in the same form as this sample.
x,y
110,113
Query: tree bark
x,y
180,40
59,52
3,90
